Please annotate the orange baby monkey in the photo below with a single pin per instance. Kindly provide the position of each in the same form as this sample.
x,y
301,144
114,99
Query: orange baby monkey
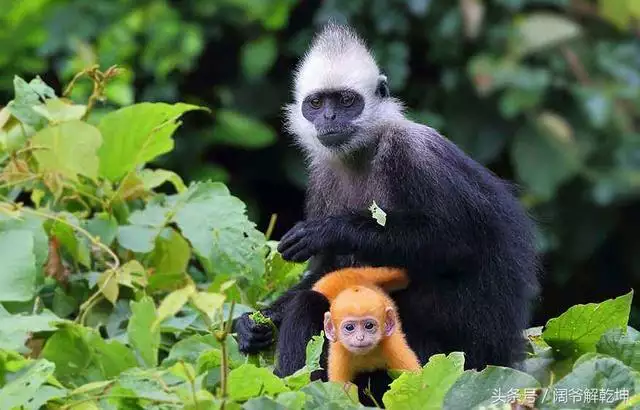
x,y
362,323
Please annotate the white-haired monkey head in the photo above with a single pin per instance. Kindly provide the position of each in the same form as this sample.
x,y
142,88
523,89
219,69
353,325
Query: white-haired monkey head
x,y
340,94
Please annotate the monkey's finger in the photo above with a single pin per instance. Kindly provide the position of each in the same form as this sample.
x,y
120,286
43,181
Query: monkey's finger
x,y
260,336
285,246
288,253
302,255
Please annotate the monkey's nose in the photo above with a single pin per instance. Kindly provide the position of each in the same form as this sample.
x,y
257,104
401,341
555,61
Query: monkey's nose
x,y
329,114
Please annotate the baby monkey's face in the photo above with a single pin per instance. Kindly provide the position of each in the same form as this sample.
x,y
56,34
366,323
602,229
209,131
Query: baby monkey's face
x,y
360,335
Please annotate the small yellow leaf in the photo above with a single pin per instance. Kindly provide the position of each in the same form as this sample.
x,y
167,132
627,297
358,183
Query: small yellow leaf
x,y
208,303
108,285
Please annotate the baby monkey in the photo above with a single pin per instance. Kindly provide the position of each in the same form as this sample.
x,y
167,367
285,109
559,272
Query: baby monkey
x,y
362,323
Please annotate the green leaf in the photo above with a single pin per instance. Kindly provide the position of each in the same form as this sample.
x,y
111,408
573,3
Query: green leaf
x,y
263,403
477,389
208,303
69,148
616,11
258,56
137,134
75,245
577,330
313,352
58,110
33,224
18,279
144,339
292,400
541,30
622,345
25,384
152,179
236,129
104,226
26,97
425,389
562,159
331,395
219,231
137,238
173,302
249,381
15,329
108,285
82,356
599,374
171,254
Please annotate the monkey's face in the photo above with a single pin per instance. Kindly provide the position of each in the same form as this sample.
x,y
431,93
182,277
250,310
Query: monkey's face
x,y
333,114
360,335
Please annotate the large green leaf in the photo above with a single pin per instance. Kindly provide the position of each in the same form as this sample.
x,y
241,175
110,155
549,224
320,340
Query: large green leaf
x,y
578,329
621,344
561,158
581,389
69,148
15,329
236,129
137,134
331,395
28,95
33,224
492,385
425,389
82,356
18,269
543,30
220,233
258,56
142,337
249,381
25,384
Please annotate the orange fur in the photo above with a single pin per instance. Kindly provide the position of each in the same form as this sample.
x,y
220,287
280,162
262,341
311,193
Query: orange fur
x,y
359,292
333,283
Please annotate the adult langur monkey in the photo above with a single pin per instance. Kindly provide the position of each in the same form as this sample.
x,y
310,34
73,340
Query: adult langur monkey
x,y
457,229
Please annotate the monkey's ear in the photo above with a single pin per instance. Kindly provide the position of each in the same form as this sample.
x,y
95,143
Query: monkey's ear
x,y
329,329
389,321
382,90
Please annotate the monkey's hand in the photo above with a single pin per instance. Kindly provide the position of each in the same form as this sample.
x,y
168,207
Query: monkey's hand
x,y
253,337
307,238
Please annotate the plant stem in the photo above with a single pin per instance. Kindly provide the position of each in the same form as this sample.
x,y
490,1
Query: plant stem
x,y
272,225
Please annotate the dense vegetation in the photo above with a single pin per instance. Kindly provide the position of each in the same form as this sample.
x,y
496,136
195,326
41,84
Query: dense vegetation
x,y
544,92
115,296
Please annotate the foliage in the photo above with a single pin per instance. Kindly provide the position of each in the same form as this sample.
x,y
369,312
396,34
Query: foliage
x,y
545,92
113,295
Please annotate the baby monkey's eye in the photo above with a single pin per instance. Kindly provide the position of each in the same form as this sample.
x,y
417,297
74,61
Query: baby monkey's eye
x,y
349,327
315,102
369,325
347,99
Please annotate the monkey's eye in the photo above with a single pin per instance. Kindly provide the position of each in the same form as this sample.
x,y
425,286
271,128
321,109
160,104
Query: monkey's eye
x,y
347,99
369,325
315,102
349,327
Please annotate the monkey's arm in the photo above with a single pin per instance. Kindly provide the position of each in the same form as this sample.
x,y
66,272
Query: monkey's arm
x,y
398,354
339,365
389,279
408,239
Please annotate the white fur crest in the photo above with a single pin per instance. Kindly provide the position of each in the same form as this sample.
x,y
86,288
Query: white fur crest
x,y
338,58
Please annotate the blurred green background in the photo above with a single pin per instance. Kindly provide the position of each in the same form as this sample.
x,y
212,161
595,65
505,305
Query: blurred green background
x,y
543,92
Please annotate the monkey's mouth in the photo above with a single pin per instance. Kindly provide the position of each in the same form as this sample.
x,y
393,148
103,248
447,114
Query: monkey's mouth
x,y
361,349
334,138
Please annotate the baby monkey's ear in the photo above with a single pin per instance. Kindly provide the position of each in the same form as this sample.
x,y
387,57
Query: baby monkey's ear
x,y
329,329
389,321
